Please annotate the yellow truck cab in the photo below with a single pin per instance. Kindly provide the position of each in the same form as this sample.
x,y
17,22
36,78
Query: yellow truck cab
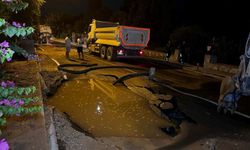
x,y
112,40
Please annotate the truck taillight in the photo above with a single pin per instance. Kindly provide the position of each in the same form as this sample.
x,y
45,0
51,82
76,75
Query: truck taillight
x,y
141,52
120,52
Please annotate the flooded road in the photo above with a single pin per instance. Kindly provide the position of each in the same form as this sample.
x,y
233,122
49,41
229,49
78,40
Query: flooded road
x,y
113,113
105,110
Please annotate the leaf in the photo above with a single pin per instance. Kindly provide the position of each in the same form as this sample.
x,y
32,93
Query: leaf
x,y
18,33
2,121
5,93
10,91
2,22
22,31
11,111
1,89
20,91
10,31
33,89
2,59
27,90
29,30
7,56
15,7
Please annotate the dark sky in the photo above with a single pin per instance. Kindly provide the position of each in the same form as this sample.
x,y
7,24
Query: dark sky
x,y
218,17
75,6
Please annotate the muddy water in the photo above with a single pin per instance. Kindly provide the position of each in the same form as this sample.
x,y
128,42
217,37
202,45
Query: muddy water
x,y
105,110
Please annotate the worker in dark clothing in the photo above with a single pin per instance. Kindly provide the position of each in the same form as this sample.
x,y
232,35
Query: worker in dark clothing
x,y
80,48
182,52
168,50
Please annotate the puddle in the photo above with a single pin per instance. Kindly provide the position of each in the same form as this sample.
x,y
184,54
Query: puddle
x,y
105,110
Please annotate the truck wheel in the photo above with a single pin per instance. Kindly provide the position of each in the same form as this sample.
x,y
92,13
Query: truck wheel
x,y
111,55
103,52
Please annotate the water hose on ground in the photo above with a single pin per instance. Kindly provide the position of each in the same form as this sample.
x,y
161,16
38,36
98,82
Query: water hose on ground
x,y
77,65
126,77
62,68
129,76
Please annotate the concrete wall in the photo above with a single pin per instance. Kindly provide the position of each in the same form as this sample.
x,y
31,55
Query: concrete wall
x,y
207,65
161,55
219,67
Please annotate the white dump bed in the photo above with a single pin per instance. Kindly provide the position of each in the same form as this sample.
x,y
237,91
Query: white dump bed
x,y
133,37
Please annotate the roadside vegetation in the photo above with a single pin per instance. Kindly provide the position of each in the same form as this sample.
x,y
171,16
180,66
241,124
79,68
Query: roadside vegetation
x,y
14,100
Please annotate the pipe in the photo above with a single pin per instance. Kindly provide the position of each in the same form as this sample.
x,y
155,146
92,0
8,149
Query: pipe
x,y
126,77
61,67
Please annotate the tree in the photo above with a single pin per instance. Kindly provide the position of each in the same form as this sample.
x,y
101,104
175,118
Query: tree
x,y
56,22
155,14
196,39
33,11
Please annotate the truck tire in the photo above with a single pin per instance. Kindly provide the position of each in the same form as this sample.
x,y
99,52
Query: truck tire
x,y
103,52
111,55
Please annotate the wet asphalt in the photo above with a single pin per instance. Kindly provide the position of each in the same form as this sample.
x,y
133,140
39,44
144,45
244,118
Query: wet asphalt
x,y
209,123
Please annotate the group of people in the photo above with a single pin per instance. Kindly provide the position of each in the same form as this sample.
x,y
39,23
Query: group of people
x,y
79,45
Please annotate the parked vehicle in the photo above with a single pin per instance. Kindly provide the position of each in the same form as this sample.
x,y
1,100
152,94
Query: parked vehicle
x,y
45,33
113,41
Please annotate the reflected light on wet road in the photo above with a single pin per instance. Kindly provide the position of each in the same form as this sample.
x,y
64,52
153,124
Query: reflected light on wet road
x,y
105,110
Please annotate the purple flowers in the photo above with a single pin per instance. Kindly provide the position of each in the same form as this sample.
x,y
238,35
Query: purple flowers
x,y
3,84
4,44
4,145
18,25
7,84
12,103
5,52
21,102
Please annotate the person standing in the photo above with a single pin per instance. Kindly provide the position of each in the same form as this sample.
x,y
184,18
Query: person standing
x,y
80,48
68,46
169,47
182,52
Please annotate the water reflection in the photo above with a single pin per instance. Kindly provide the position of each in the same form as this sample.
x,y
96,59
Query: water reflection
x,y
106,110
99,108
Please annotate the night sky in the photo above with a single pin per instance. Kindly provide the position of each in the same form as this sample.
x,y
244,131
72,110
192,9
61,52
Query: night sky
x,y
194,20
75,7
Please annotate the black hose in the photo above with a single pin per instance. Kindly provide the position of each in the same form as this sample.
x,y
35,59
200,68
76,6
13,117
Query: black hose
x,y
77,65
126,77
110,75
62,68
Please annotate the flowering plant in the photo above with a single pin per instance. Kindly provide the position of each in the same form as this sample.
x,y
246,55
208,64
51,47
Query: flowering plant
x,y
13,29
5,52
13,99
15,5
4,145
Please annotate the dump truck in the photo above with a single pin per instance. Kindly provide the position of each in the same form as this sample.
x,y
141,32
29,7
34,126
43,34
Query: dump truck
x,y
113,41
